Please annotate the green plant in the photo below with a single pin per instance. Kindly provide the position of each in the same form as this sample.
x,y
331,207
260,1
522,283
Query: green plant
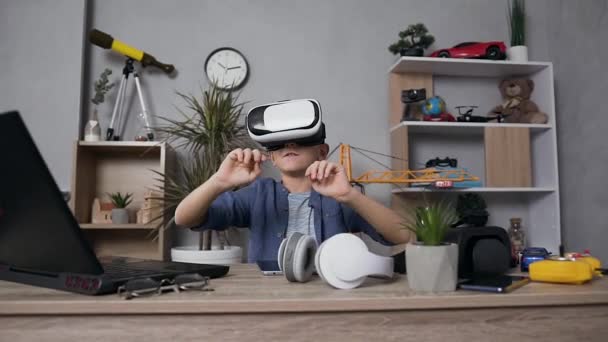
x,y
102,87
119,200
211,127
517,22
431,222
175,187
212,130
415,36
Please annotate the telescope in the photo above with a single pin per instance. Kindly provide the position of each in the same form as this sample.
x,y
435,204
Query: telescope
x,y
106,41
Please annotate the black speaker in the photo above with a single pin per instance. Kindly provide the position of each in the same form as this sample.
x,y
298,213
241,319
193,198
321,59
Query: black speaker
x,y
481,250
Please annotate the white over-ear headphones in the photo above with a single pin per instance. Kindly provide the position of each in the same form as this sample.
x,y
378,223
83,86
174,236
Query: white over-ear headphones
x,y
343,261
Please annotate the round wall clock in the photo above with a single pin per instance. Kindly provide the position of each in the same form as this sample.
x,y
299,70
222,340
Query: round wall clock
x,y
227,68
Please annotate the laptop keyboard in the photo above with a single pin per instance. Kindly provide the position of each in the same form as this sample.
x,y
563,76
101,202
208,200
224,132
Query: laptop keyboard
x,y
118,271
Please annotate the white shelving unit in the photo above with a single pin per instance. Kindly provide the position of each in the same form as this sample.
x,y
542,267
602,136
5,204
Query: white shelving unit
x,y
475,82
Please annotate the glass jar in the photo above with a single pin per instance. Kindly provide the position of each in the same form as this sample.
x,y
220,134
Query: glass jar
x,y
518,239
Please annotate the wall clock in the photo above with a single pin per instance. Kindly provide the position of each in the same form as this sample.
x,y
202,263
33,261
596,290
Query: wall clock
x,y
227,68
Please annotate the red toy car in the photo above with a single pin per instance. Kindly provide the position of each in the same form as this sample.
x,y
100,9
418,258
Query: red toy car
x,y
488,50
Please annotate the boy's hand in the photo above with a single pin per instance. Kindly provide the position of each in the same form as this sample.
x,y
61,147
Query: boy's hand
x,y
241,166
329,179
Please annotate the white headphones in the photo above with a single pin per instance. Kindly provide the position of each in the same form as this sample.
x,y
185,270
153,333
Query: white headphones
x,y
343,261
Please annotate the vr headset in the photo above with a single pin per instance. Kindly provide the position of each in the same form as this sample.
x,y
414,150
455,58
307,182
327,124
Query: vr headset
x,y
294,121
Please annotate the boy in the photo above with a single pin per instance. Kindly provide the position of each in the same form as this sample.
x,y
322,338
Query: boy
x,y
314,196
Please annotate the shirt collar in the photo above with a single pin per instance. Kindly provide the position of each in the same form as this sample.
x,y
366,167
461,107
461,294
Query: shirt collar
x,y
282,192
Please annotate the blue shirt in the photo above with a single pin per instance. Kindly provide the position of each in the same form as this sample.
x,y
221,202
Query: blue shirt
x,y
264,208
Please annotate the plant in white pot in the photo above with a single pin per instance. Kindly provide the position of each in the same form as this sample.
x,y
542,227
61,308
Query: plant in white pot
x,y
432,265
518,52
120,214
214,128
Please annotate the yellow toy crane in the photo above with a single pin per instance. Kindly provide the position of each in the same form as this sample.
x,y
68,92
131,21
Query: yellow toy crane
x,y
440,178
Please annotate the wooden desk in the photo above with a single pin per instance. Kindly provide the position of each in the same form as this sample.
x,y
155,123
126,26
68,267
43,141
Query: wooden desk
x,y
248,306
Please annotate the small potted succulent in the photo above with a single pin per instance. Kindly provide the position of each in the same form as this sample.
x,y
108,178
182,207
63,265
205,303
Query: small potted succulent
x,y
412,41
120,214
432,264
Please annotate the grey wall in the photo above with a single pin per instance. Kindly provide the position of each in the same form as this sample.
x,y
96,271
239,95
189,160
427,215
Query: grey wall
x,y
573,34
41,64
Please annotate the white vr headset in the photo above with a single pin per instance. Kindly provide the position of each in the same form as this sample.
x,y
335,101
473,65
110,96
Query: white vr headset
x,y
343,261
295,121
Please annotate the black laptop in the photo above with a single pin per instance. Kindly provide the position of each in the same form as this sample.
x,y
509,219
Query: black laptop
x,y
41,242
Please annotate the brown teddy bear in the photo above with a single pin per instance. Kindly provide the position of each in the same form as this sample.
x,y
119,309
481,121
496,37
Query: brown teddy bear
x,y
517,107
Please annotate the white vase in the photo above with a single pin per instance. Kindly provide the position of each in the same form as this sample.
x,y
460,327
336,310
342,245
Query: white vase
x,y
432,268
92,130
191,254
517,53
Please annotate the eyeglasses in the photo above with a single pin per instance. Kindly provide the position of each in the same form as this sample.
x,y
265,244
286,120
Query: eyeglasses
x,y
145,287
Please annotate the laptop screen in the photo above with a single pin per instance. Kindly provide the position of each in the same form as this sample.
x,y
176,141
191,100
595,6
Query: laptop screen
x,y
37,229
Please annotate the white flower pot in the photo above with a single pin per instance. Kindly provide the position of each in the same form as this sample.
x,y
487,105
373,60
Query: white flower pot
x,y
120,216
432,268
191,254
517,53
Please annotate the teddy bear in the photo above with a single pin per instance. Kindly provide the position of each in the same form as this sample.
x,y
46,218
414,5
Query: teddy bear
x,y
517,106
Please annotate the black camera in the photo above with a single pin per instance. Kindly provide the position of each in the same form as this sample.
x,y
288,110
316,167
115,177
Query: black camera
x,y
412,98
413,95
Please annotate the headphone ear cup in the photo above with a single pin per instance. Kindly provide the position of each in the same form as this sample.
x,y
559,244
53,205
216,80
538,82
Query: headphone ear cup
x,y
281,254
298,257
303,261
337,252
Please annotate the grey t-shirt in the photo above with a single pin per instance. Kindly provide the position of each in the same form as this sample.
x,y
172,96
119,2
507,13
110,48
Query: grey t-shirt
x,y
301,215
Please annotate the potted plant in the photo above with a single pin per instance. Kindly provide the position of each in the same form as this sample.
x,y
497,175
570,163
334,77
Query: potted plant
x,y
518,51
92,131
213,128
432,265
471,210
120,215
412,41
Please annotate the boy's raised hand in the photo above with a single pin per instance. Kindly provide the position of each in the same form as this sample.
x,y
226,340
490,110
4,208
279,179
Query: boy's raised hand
x,y
329,179
241,166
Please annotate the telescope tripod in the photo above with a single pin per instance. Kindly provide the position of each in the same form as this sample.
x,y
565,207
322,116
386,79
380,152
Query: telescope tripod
x,y
114,134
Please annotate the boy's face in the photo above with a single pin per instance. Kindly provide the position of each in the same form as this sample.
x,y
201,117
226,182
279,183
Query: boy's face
x,y
294,159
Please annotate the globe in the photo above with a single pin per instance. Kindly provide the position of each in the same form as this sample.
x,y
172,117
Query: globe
x,y
434,106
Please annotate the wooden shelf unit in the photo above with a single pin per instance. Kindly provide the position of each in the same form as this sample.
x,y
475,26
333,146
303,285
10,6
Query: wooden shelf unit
x,y
125,166
517,163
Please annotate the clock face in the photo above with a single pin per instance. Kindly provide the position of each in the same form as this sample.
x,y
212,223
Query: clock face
x,y
227,68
